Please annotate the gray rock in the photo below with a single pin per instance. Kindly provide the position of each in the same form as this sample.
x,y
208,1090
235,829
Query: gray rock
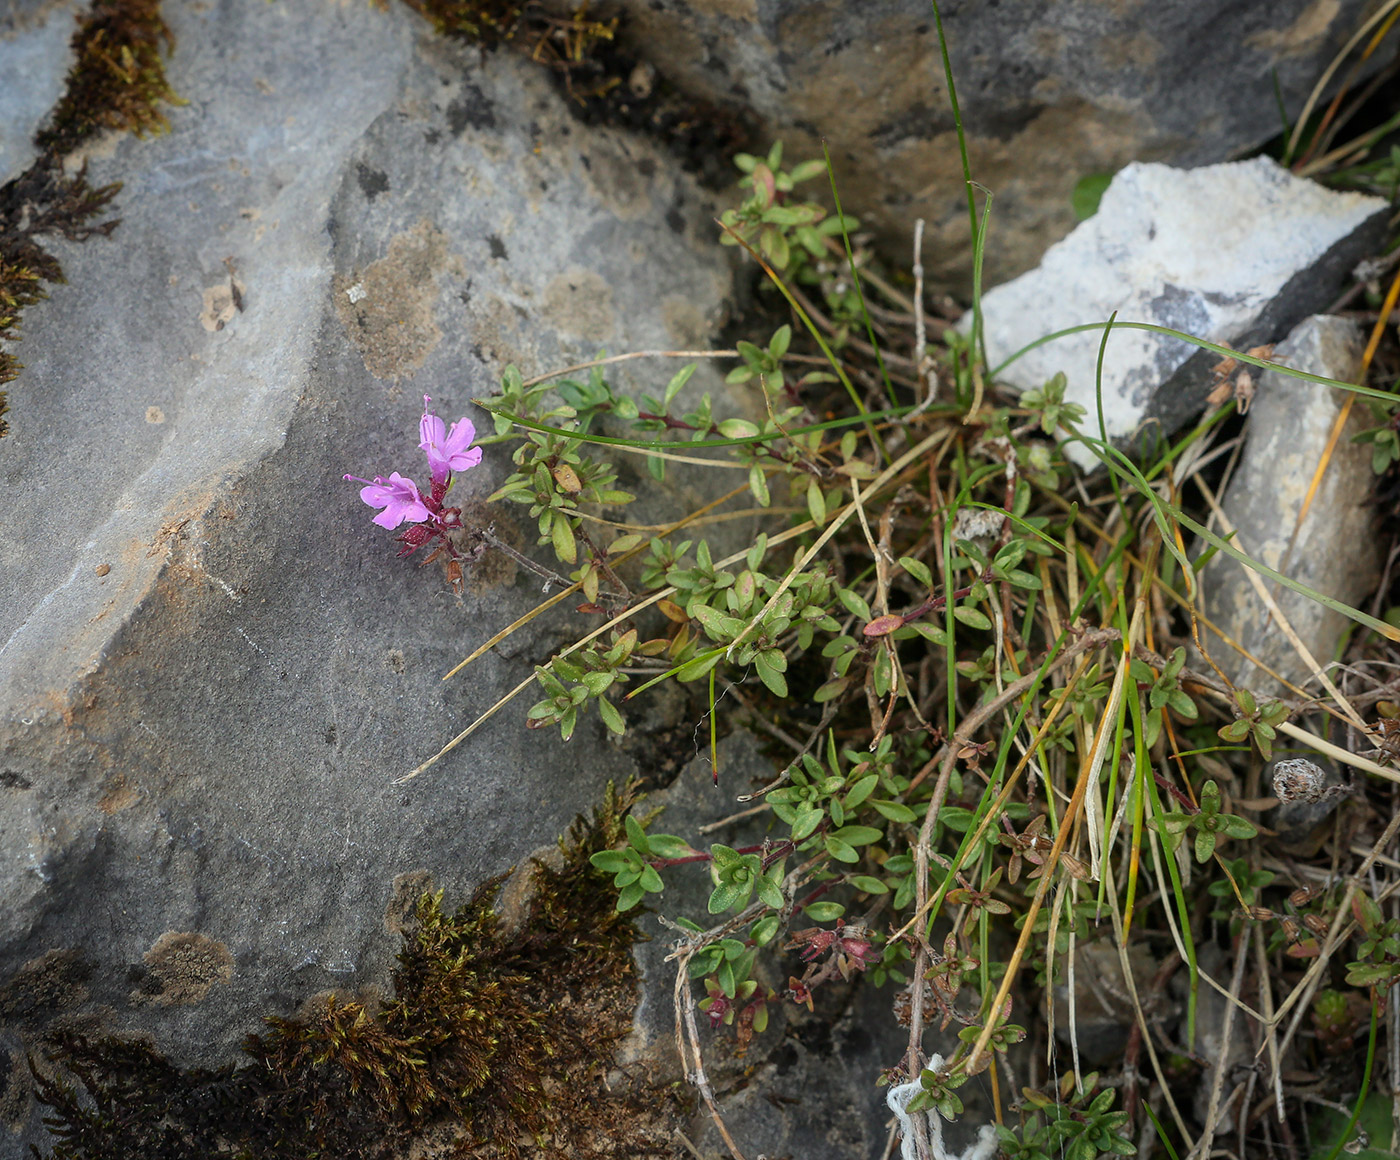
x,y
1049,93
212,665
1336,552
34,59
1235,254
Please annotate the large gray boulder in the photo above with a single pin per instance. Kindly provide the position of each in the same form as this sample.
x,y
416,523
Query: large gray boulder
x,y
1049,93
211,665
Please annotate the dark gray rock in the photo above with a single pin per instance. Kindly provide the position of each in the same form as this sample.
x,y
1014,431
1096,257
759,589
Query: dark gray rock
x,y
1049,93
1235,254
211,666
1336,551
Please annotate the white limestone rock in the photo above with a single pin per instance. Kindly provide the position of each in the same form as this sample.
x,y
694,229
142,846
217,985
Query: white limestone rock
x,y
1234,253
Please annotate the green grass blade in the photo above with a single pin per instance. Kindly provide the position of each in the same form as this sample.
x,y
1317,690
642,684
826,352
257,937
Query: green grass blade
x,y
1215,347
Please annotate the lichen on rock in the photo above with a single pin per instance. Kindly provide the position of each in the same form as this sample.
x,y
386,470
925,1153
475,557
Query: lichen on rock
x,y
181,968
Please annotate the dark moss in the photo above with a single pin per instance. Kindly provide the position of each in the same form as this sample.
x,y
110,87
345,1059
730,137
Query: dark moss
x,y
605,82
485,22
118,78
495,1042
117,82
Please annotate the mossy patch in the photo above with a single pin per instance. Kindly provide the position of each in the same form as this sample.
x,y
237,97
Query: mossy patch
x,y
117,82
496,1043
605,83
118,78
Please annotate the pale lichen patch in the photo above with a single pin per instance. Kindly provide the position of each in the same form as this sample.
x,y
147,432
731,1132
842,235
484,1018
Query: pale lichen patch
x,y
580,302
388,308
181,969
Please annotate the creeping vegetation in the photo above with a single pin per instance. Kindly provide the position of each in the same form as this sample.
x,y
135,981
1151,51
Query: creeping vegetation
x,y
496,1040
117,82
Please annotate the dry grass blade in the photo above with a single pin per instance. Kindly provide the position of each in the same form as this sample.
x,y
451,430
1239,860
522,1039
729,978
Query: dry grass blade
x,y
1217,1081
613,359
1382,14
1318,671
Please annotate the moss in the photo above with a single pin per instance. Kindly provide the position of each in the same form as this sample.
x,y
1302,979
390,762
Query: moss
x,y
485,22
605,83
118,78
117,82
495,1042
55,981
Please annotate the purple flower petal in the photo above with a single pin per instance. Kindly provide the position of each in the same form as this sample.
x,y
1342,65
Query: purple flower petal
x,y
399,497
447,450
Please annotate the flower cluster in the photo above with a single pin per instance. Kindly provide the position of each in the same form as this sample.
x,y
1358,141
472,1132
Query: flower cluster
x,y
448,450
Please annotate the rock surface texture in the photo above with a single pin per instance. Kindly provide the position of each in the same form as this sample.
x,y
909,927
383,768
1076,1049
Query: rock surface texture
x,y
1335,551
211,665
1235,254
1049,93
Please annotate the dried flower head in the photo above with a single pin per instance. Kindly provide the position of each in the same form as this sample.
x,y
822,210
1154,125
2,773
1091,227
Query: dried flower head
x,y
1300,780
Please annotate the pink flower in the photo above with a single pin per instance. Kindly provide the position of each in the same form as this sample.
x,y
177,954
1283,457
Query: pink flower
x,y
447,450
399,497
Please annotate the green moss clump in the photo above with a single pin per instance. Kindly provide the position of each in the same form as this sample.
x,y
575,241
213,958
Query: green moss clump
x,y
41,201
488,23
117,82
118,78
497,1038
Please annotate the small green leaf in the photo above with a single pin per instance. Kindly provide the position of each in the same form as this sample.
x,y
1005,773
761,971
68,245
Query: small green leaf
x,y
609,861
776,682
636,835
765,929
1088,192
862,790
895,811
858,835
770,893
1238,827
840,850
726,895
972,617
562,537
678,380
853,603
824,911
669,846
